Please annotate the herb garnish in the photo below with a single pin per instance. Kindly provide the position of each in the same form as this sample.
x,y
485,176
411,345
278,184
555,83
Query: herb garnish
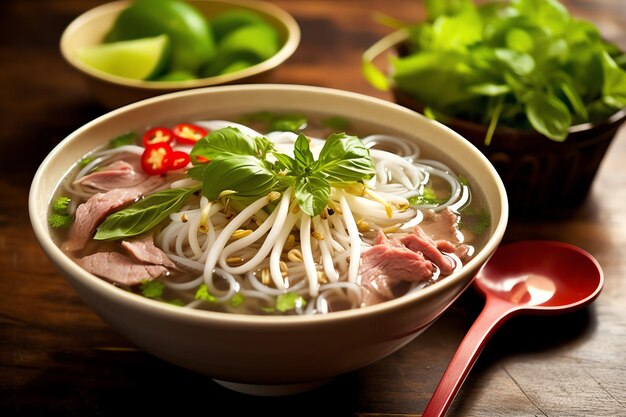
x,y
525,64
239,165
60,217
144,214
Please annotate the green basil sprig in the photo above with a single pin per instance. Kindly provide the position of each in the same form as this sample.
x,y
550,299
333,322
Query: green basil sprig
x,y
238,163
144,214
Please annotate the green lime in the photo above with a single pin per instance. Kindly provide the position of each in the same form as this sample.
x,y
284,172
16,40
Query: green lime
x,y
189,32
236,66
260,41
177,76
138,59
230,20
252,44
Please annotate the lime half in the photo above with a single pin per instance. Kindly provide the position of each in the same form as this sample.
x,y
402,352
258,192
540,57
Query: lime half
x,y
139,59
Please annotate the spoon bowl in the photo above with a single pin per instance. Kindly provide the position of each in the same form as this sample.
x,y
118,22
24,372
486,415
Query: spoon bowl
x,y
531,277
541,275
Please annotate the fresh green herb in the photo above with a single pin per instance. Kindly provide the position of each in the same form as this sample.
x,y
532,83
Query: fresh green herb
x,y
289,301
336,123
60,218
427,197
59,221
284,122
128,138
237,299
85,161
144,214
203,294
61,204
239,164
152,289
175,302
525,64
476,221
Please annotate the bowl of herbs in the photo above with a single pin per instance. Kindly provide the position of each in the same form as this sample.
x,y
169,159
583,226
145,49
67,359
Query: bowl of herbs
x,y
540,92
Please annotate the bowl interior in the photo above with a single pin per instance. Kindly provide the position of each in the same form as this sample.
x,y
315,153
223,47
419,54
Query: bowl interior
x,y
90,28
211,342
217,101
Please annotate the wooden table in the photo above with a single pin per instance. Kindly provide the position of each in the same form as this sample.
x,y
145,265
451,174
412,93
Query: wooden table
x,y
57,357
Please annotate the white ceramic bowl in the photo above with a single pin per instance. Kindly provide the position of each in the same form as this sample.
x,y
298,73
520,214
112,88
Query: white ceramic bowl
x,y
260,354
112,91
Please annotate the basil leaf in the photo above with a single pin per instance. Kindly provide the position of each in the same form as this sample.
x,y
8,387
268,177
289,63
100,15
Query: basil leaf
x,y
285,162
548,115
264,146
302,153
221,143
614,86
344,158
144,214
312,194
245,174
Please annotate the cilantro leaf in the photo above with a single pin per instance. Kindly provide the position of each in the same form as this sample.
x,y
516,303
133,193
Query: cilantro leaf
x,y
124,139
289,301
152,289
202,293
60,205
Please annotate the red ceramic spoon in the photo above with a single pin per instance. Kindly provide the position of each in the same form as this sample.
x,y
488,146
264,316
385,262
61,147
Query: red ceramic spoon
x,y
531,277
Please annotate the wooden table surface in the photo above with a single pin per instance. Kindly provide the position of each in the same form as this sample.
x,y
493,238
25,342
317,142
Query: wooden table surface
x,y
59,358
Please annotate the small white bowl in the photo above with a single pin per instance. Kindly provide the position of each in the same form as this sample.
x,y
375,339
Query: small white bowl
x,y
112,91
267,355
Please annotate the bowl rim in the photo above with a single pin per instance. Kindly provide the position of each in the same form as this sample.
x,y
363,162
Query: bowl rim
x,y
269,9
60,259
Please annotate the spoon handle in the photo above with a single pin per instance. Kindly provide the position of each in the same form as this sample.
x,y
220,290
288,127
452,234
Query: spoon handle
x,y
494,314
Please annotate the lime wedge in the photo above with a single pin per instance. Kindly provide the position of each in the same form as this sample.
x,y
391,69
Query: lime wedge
x,y
139,59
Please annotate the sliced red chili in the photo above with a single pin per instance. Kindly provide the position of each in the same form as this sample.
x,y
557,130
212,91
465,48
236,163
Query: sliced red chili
x,y
188,134
180,160
157,159
157,135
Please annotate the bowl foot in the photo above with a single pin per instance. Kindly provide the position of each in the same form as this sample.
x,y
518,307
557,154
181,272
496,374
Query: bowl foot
x,y
271,390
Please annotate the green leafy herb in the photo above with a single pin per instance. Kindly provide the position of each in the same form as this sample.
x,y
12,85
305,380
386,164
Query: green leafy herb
x,y
59,221
289,301
85,161
60,218
152,289
203,294
476,221
284,122
124,139
238,163
524,64
237,299
61,204
144,214
427,197
336,123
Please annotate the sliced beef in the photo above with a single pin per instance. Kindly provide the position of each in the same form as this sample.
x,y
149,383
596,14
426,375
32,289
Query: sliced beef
x,y
419,242
442,225
89,214
386,264
119,268
119,174
143,250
